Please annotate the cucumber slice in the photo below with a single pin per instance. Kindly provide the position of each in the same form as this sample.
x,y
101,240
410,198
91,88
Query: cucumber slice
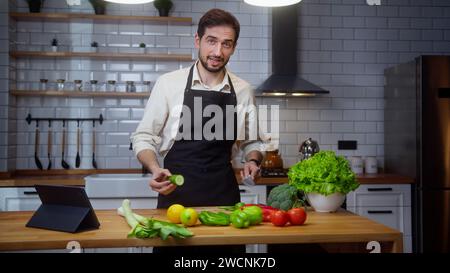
x,y
177,179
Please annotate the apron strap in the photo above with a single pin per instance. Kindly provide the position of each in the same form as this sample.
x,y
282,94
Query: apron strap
x,y
189,82
189,79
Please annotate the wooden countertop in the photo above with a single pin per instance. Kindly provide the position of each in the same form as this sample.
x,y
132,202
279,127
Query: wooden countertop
x,y
76,178
335,228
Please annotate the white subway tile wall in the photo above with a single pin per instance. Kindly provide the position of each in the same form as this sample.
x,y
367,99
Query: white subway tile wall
x,y
344,46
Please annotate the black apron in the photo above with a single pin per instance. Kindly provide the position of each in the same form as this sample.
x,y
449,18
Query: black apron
x,y
209,179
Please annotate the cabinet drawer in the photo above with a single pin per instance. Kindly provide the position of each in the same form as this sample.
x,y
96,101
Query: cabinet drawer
x,y
22,203
114,203
398,218
380,195
17,199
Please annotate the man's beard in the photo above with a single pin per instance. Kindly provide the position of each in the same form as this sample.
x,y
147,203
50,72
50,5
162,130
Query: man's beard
x,y
204,63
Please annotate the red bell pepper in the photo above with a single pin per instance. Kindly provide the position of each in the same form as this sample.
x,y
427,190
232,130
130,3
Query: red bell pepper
x,y
266,210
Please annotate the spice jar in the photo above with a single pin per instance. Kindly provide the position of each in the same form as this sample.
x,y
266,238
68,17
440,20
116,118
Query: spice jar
x,y
356,164
78,85
130,87
93,85
60,84
111,86
43,84
371,165
146,86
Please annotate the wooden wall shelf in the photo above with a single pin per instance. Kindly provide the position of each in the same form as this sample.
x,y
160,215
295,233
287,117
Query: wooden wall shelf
x,y
77,94
91,16
102,55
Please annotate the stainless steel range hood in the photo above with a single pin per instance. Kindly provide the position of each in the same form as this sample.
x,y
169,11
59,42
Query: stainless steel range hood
x,y
284,80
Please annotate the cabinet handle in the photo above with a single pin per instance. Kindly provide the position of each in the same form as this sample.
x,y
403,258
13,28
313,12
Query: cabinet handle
x,y
242,190
30,192
379,211
379,189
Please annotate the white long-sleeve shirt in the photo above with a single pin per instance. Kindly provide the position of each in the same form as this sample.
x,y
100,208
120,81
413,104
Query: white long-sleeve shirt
x,y
159,126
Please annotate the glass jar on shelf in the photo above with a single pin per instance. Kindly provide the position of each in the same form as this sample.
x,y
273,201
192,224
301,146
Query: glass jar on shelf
x,y
94,86
78,85
111,86
146,87
131,88
60,84
43,84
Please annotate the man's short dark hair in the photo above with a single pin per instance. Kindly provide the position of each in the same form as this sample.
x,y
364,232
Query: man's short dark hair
x,y
218,17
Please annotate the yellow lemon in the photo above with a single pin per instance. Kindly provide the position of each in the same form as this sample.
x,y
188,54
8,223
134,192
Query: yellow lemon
x,y
189,217
174,212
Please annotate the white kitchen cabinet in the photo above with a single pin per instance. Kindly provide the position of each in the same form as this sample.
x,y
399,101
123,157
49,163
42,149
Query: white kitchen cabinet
x,y
19,199
107,191
388,204
254,195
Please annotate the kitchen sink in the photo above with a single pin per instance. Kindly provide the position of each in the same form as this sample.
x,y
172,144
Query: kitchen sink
x,y
107,191
119,185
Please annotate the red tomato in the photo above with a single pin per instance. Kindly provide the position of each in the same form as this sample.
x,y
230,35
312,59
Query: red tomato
x,y
297,216
279,218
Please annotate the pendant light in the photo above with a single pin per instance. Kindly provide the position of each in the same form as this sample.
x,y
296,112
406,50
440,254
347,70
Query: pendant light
x,y
130,1
272,3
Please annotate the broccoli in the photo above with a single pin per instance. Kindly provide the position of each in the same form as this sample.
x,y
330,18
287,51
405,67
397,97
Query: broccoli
x,y
284,197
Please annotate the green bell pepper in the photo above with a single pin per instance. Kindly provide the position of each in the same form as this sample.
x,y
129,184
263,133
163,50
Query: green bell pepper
x,y
234,207
239,219
254,213
210,218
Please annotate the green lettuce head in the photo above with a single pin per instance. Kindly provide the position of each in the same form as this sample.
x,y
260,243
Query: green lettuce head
x,y
323,173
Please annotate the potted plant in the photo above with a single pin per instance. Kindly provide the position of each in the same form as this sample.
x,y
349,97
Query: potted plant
x,y
163,7
35,5
99,6
325,179
94,46
142,47
54,45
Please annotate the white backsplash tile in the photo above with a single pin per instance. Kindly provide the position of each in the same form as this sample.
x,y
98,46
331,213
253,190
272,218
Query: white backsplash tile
x,y
365,127
117,163
118,113
153,29
342,126
106,29
319,127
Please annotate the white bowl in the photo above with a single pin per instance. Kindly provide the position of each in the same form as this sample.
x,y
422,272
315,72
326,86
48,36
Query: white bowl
x,y
322,203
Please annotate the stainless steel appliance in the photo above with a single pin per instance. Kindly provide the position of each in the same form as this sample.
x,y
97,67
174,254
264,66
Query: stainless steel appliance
x,y
417,143
308,148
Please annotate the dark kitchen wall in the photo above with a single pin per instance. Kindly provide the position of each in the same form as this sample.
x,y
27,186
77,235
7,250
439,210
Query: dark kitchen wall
x,y
344,46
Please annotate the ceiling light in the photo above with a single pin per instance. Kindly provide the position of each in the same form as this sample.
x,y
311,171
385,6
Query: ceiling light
x,y
130,1
272,3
